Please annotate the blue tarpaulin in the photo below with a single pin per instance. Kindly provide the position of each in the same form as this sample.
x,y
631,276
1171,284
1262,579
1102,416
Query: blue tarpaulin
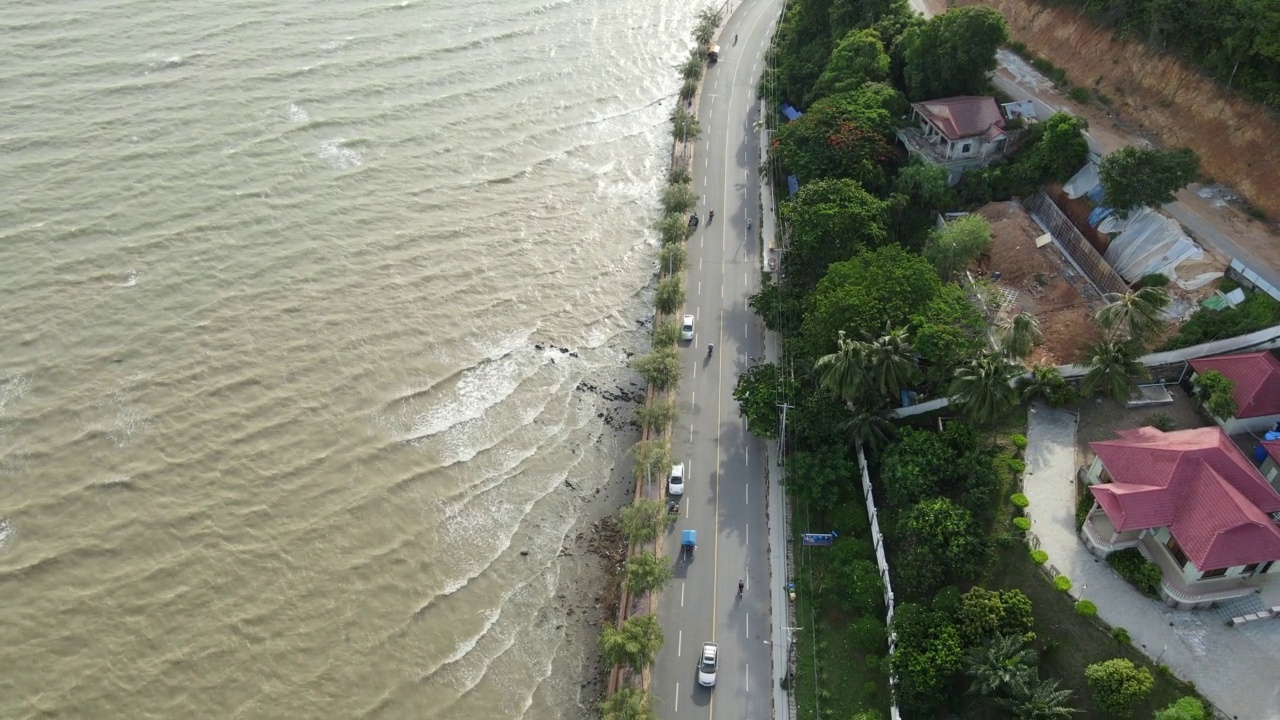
x,y
1095,193
793,184
1098,215
790,113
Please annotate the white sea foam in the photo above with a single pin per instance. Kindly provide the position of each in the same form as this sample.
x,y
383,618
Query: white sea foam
x,y
338,156
296,114
6,534
131,279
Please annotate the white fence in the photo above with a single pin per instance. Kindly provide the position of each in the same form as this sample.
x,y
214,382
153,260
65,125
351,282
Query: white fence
x,y
883,563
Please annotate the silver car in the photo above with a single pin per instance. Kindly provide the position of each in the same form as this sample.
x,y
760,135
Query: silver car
x,y
675,484
686,328
707,665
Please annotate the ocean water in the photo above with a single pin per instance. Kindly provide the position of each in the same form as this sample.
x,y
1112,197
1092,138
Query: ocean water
x,y
282,396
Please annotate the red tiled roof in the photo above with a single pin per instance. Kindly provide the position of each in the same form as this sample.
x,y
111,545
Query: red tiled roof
x,y
1273,449
1199,485
1257,381
963,117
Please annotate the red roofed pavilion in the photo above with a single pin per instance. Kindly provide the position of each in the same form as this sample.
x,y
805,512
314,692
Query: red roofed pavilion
x,y
1192,503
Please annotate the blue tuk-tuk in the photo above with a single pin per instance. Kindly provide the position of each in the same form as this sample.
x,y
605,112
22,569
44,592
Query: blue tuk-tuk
x,y
688,542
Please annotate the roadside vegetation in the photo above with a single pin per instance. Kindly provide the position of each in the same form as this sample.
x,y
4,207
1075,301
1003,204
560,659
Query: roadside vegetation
x,y
875,309
631,646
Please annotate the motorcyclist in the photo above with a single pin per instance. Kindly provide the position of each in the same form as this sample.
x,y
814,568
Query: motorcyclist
x,y
710,348
739,587
711,215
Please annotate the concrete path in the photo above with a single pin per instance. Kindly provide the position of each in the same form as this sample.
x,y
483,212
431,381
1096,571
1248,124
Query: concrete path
x,y
1235,668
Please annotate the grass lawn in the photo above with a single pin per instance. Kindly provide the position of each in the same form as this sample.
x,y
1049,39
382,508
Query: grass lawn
x,y
1070,641
833,679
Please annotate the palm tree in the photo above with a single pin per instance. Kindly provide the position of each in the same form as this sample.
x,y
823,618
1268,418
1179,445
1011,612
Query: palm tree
x,y
1019,334
1045,383
983,390
1043,701
890,363
999,665
870,426
1137,315
635,645
843,373
1112,368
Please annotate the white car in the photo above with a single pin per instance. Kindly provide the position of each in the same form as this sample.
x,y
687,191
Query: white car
x,y
707,665
686,328
675,485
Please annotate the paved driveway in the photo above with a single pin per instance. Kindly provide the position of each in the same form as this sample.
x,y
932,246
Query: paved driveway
x,y
1237,669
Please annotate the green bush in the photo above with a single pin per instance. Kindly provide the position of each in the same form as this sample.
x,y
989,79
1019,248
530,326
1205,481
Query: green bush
x,y
868,636
1161,422
1039,557
1022,523
1130,565
1121,635
1019,500
1086,608
1083,506
1079,94
1016,466
1187,708
1258,312
679,198
1062,583
1018,440
1154,280
1118,686
666,333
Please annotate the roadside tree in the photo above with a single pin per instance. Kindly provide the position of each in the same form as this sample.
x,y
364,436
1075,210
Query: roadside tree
x,y
661,367
819,476
844,136
856,581
831,220
628,704
635,645
857,59
647,572
758,393
1133,177
642,520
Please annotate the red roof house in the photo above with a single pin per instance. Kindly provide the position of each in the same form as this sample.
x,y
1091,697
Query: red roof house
x,y
957,133
966,116
1192,501
1256,377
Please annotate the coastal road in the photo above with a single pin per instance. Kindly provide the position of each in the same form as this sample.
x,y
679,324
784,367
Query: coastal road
x,y
725,494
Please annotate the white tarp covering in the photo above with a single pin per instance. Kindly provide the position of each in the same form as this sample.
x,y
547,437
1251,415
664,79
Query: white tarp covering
x,y
1082,182
1148,243
1199,281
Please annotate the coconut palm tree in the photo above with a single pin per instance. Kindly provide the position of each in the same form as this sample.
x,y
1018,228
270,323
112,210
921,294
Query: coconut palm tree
x,y
982,390
1042,701
890,363
1046,383
1112,369
1018,334
843,373
1137,314
870,426
995,667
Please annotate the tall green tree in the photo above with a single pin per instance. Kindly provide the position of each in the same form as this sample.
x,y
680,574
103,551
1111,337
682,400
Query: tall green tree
x,y
953,53
886,285
1135,315
1054,151
647,572
819,476
947,332
920,192
956,244
831,220
635,645
844,136
759,392
857,59
983,389
1133,177
871,427
1113,367
844,373
890,364
928,653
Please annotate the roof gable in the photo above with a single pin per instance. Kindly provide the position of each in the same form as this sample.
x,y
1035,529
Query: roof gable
x,y
964,116
1199,485
1256,377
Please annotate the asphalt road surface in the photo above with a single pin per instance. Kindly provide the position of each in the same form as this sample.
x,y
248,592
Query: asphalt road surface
x,y
725,492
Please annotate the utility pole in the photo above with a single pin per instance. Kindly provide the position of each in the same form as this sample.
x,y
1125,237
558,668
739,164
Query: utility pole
x,y
782,435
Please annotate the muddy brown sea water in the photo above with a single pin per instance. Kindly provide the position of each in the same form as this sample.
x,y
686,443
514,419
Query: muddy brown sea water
x,y
316,325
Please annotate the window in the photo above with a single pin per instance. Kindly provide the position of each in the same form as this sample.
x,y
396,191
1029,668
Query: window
x,y
966,147
1176,551
1213,573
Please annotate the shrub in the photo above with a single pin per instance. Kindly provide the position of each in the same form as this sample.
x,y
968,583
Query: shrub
x,y
670,295
666,333
647,572
1257,312
1018,440
1019,500
657,416
1154,280
1079,94
688,89
660,368
1086,608
1121,635
679,175
679,198
1083,506
1118,685
1187,708
642,520
1039,557
672,259
1161,422
868,636
673,228
1216,391
1022,523
1016,466
1130,565
1062,583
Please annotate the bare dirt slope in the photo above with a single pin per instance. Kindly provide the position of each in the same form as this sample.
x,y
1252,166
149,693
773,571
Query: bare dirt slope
x,y
1171,101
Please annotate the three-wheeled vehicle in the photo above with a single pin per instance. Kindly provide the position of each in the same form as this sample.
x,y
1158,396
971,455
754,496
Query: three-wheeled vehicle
x,y
713,54
688,543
